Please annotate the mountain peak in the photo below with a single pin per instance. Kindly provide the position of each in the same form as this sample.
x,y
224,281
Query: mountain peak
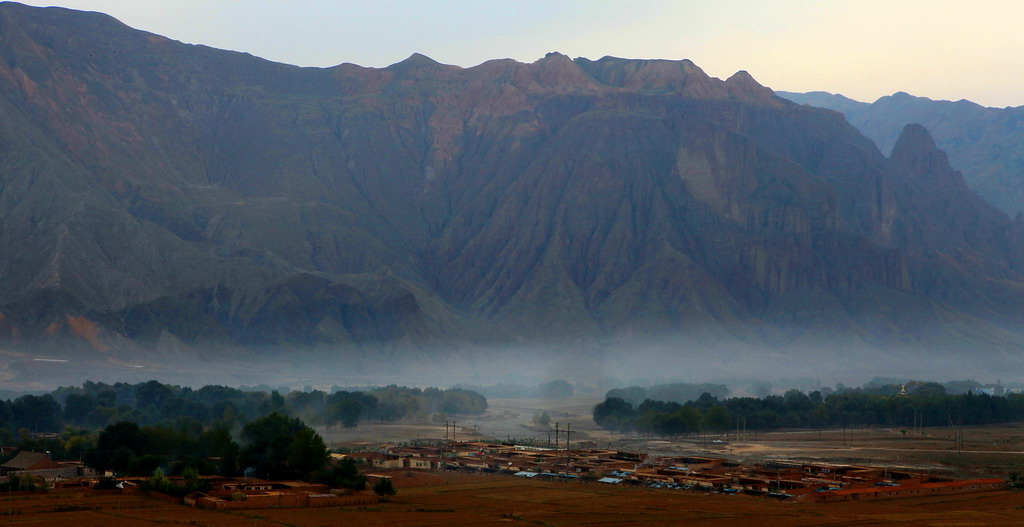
x,y
914,138
900,96
744,81
743,77
556,60
558,70
743,86
682,76
416,61
916,155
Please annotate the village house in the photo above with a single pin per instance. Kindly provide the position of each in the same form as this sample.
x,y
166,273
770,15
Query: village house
x,y
39,465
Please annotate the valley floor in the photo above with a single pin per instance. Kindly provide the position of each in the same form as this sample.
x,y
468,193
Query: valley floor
x,y
994,450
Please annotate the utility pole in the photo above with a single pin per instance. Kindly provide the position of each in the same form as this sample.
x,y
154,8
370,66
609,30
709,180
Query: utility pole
x,y
958,436
556,436
568,454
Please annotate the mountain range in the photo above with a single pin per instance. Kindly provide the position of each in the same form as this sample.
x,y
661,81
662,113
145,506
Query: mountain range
x,y
159,198
987,144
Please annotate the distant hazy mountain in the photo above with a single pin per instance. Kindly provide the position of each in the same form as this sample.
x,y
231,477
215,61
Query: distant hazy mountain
x,y
987,144
162,196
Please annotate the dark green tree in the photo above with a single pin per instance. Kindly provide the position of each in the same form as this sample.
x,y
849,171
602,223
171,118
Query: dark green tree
x,y
306,453
77,407
384,488
152,393
614,414
717,419
282,447
343,474
118,447
346,411
218,444
37,413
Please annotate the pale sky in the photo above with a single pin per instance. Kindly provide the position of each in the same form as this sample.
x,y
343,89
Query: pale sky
x,y
864,49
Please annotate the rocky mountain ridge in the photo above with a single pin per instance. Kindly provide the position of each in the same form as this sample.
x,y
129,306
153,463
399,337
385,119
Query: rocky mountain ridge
x,y
987,144
158,196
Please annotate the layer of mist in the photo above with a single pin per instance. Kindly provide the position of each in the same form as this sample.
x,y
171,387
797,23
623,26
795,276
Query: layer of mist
x,y
590,368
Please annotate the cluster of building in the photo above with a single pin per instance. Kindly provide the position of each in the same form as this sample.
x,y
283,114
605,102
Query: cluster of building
x,y
223,493
816,482
232,493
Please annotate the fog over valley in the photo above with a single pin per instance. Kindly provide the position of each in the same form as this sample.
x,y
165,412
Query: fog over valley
x,y
494,281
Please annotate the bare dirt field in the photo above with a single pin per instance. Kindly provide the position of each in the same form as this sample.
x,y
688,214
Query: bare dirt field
x,y
463,499
993,450
80,509
487,500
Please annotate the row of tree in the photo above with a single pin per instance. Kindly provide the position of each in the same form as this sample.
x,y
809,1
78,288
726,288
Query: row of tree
x,y
96,405
274,446
678,392
796,409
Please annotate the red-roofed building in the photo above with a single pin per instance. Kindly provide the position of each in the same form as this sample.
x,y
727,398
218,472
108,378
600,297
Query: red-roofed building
x,y
27,461
910,490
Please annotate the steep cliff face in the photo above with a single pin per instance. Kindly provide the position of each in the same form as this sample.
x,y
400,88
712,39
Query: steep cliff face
x,y
987,144
154,191
938,219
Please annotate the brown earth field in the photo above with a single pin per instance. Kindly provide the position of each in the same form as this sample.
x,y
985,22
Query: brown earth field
x,y
463,499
